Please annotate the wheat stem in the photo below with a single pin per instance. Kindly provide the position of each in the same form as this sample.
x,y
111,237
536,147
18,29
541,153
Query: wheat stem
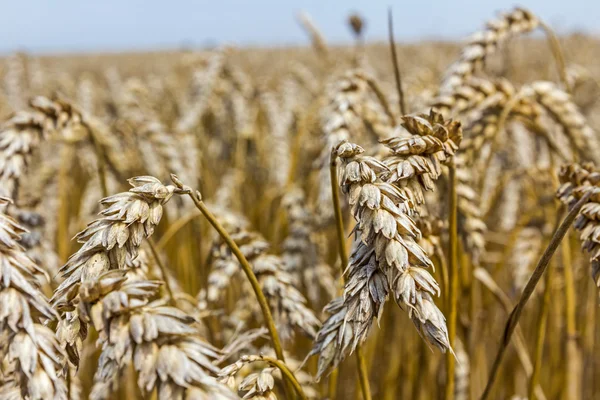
x,y
558,54
515,315
341,237
572,353
519,340
163,271
541,334
397,76
453,277
246,267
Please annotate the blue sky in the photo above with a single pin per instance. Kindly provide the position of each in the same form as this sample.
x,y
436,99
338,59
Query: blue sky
x,y
119,25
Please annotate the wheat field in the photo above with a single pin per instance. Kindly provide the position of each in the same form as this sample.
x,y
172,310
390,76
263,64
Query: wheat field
x,y
375,221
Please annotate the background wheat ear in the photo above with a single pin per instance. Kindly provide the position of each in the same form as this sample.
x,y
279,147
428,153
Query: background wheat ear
x,y
31,355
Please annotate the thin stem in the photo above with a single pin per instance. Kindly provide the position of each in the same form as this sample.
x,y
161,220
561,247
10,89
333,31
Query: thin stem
x,y
163,271
333,381
287,373
453,276
397,76
246,267
341,237
541,334
381,98
515,315
573,370
363,374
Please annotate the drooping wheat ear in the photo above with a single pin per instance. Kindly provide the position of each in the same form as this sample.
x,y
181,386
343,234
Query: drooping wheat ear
x,y
482,124
560,107
287,303
108,242
484,43
576,181
31,357
167,354
301,253
21,134
107,378
386,256
352,113
478,103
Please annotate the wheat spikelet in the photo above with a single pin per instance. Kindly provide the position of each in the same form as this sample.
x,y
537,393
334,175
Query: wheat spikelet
x,y
577,180
385,256
482,44
29,351
420,146
108,242
165,351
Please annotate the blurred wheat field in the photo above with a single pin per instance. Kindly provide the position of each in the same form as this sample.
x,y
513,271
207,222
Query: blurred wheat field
x,y
239,222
